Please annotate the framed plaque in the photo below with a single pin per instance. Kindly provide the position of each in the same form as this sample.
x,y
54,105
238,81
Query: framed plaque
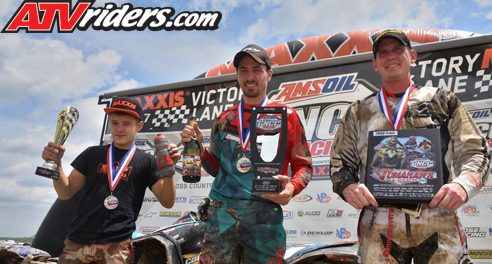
x,y
404,166
269,130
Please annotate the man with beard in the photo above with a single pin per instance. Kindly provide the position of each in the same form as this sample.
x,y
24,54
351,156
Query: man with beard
x,y
243,227
396,233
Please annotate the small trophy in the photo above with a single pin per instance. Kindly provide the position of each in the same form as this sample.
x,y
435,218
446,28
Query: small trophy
x,y
268,128
66,121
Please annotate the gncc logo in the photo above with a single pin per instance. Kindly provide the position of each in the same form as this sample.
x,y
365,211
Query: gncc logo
x,y
40,16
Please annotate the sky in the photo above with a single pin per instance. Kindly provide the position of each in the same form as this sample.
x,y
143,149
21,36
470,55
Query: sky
x,y
42,73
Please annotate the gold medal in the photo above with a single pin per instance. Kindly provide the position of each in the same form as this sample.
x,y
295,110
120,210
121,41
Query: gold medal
x,y
243,165
111,202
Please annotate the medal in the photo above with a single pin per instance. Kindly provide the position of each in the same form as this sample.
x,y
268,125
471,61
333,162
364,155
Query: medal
x,y
111,202
400,109
115,174
243,164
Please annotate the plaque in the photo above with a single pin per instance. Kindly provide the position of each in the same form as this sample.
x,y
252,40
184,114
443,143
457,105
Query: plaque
x,y
268,126
404,166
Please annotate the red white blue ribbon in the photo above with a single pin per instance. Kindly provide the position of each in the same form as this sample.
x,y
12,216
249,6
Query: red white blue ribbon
x,y
114,175
244,137
397,119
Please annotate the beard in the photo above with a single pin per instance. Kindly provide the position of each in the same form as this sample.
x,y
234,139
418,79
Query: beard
x,y
251,93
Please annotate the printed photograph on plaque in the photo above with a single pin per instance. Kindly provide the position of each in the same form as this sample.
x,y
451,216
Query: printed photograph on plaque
x,y
404,166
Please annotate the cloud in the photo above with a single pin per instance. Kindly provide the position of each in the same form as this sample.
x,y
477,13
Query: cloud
x,y
47,68
224,6
483,3
291,20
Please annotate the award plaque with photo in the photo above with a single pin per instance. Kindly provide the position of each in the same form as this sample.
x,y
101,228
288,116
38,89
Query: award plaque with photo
x,y
404,166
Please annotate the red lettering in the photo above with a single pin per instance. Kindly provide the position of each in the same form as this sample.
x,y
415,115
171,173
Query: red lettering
x,y
165,160
162,101
125,103
179,99
301,90
317,86
149,102
66,23
28,9
320,148
487,58
286,91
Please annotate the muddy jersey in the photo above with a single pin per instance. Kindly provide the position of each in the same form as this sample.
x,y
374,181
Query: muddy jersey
x,y
464,148
225,150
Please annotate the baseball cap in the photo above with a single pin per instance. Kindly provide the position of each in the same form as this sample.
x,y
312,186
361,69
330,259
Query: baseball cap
x,y
125,105
256,52
390,33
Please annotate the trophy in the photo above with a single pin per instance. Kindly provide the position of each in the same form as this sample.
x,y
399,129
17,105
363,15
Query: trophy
x,y
66,121
268,127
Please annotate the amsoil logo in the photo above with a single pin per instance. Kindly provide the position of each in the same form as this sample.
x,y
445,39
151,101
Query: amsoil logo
x,y
311,88
40,16
483,113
